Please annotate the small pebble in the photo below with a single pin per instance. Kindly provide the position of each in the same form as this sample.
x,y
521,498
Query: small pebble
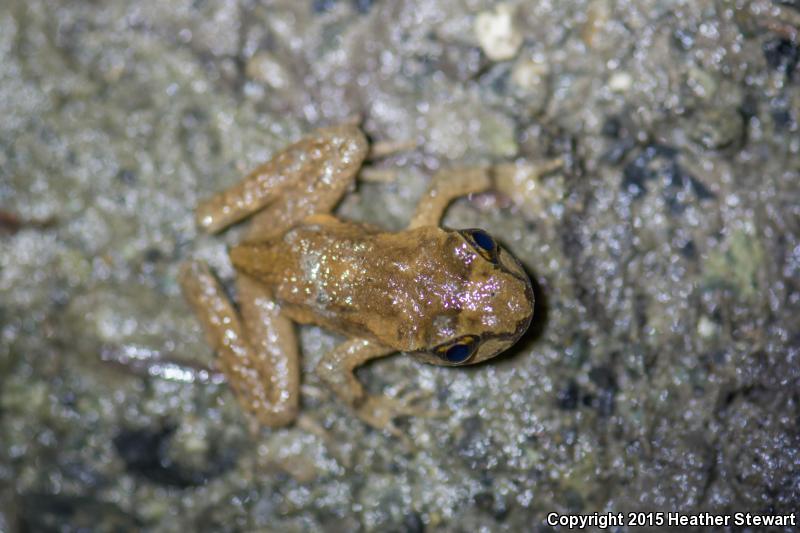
x,y
529,74
702,84
497,33
530,78
620,82
264,68
716,127
706,328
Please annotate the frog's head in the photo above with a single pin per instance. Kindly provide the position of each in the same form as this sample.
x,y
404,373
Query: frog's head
x,y
484,307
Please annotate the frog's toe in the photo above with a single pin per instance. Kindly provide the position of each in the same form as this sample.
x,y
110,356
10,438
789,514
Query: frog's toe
x,y
409,401
380,411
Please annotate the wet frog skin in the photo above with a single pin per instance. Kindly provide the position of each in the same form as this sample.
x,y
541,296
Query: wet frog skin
x,y
448,297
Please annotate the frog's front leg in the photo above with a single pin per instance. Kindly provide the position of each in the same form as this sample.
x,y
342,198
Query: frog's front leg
x,y
257,347
337,369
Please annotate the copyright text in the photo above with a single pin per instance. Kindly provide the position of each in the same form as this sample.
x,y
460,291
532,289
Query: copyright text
x,y
672,519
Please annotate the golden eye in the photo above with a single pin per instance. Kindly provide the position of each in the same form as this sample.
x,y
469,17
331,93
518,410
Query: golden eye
x,y
458,351
482,242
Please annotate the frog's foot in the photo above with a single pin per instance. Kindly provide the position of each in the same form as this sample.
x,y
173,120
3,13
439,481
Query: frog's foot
x,y
336,368
381,149
380,411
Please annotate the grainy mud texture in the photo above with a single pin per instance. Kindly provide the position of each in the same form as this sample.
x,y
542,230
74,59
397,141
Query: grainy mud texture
x,y
662,371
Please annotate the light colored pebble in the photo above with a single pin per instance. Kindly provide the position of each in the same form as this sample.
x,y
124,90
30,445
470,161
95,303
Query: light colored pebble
x,y
702,84
264,68
620,82
530,77
497,32
528,74
706,328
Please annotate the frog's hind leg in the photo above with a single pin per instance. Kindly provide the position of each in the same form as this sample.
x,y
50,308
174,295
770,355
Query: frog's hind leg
x,y
323,163
257,348
296,205
445,186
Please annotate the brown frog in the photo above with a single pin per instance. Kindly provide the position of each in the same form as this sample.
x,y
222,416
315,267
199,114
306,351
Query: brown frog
x,y
448,297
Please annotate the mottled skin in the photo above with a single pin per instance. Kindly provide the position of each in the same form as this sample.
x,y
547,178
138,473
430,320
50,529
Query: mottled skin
x,y
448,297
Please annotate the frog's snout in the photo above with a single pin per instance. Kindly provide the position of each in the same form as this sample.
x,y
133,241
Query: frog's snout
x,y
521,299
528,304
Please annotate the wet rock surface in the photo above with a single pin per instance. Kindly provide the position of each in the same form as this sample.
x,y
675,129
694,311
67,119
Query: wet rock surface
x,y
663,366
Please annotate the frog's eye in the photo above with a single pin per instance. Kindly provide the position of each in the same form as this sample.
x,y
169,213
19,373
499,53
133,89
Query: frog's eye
x,y
483,243
459,350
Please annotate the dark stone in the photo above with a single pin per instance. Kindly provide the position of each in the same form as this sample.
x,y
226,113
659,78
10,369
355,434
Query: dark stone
x,y
412,522
126,176
152,255
782,55
573,500
567,397
611,127
639,171
656,161
689,249
634,176
363,6
146,453
684,39
492,505
605,403
700,190
37,511
781,113
322,6
749,106
603,377
618,151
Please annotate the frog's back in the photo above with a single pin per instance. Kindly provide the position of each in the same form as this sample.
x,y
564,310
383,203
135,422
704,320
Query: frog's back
x,y
318,271
347,277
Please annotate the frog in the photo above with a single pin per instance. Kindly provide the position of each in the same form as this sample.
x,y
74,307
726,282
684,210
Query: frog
x,y
448,297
